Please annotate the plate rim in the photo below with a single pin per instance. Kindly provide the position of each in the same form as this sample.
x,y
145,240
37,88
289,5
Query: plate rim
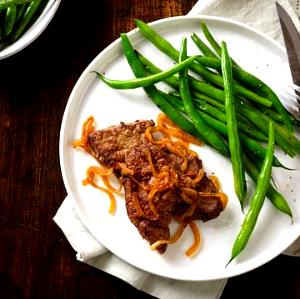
x,y
87,70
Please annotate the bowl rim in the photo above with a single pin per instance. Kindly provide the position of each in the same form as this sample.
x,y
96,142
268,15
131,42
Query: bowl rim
x,y
34,31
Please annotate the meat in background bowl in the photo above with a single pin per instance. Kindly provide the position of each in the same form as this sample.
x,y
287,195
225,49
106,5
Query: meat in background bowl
x,y
33,31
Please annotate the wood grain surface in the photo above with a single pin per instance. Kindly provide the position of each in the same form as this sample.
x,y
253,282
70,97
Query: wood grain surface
x,y
36,261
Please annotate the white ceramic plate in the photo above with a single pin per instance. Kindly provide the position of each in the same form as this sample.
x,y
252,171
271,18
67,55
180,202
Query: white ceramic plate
x,y
274,231
34,31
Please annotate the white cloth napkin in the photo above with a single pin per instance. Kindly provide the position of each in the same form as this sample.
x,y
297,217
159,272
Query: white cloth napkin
x,y
90,251
259,14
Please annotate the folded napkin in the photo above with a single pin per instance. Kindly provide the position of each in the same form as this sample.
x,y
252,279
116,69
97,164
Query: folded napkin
x,y
259,14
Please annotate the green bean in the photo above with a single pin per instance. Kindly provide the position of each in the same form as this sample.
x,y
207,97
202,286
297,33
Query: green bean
x,y
212,41
278,117
139,71
170,51
258,151
9,3
202,46
199,97
145,81
275,197
203,87
257,199
173,81
26,19
272,114
212,137
10,19
232,127
210,38
285,140
20,11
207,89
287,136
254,82
200,86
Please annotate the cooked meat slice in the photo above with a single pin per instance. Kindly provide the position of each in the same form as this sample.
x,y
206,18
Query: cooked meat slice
x,y
151,226
145,159
151,216
208,207
153,231
111,145
153,186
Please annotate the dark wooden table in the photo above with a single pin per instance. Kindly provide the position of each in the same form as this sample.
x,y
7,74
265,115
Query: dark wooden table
x,y
36,261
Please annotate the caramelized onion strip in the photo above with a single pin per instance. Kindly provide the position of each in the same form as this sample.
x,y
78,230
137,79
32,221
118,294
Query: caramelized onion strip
x,y
192,250
190,192
90,179
153,209
222,196
109,186
125,169
186,198
188,213
173,239
167,126
199,176
149,135
99,170
112,206
87,128
162,182
215,182
147,153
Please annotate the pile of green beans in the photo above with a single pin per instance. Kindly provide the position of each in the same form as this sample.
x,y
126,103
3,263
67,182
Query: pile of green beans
x,y
229,109
15,18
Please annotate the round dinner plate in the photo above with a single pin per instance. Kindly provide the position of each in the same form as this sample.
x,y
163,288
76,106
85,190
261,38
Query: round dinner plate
x,y
274,231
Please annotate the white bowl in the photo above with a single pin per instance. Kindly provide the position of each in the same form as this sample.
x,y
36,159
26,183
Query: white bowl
x,y
34,31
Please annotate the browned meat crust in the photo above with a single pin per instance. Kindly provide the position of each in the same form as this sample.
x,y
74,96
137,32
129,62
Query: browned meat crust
x,y
111,145
152,214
